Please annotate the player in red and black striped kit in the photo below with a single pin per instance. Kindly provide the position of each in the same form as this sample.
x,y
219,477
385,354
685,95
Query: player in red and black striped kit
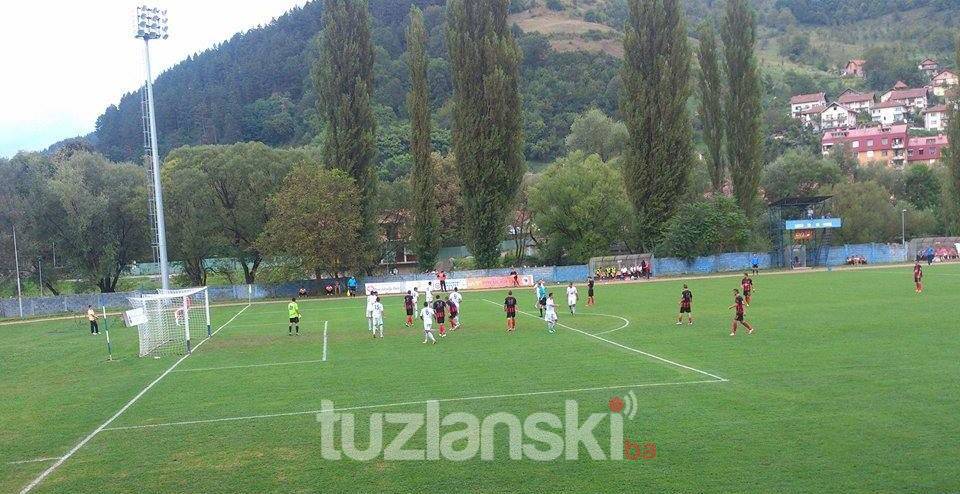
x,y
747,285
454,313
439,313
739,304
918,277
510,307
686,305
408,305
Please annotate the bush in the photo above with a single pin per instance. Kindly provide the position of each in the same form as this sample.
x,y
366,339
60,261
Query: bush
x,y
705,228
554,5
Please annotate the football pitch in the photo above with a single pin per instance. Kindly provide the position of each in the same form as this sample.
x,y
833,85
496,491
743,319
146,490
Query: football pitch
x,y
850,383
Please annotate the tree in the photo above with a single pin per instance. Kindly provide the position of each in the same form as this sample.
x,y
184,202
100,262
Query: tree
x,y
309,224
798,174
343,76
580,207
426,223
239,179
922,186
705,228
867,212
593,132
193,232
886,65
656,71
487,123
95,212
951,156
711,105
742,106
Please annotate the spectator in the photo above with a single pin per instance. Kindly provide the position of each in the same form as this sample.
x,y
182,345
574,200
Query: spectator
x,y
352,287
302,292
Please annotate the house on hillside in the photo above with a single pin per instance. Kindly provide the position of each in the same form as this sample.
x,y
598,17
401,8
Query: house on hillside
x,y
890,112
914,98
944,81
935,118
900,86
803,102
929,67
837,116
926,149
854,68
857,101
870,144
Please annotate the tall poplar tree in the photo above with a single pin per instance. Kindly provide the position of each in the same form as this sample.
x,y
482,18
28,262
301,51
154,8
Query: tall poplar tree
x,y
711,104
952,155
656,71
742,106
343,75
426,224
487,127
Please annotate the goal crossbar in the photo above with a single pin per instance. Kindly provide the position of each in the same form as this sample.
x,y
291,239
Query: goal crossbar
x,y
171,320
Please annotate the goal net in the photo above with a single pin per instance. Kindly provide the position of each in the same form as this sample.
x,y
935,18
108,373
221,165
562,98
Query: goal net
x,y
171,321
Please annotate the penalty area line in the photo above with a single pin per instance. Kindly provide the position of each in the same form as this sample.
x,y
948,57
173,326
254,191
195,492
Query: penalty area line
x,y
43,475
625,347
408,403
35,460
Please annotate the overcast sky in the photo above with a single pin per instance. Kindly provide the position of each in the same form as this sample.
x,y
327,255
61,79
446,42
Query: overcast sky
x,y
62,62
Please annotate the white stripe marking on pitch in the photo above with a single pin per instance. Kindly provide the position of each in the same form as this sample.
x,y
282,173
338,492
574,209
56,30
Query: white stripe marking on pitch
x,y
324,359
408,403
29,487
625,347
227,367
36,460
626,322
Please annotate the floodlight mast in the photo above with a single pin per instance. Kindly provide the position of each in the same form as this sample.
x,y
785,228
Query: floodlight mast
x,y
152,24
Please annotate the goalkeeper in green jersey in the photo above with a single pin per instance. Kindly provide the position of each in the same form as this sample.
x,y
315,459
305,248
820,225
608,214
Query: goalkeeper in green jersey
x,y
293,309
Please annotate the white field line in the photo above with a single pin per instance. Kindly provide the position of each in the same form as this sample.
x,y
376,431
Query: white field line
x,y
35,460
29,487
226,367
324,358
407,403
626,322
625,347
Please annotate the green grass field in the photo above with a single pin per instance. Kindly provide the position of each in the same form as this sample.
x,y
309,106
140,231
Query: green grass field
x,y
850,384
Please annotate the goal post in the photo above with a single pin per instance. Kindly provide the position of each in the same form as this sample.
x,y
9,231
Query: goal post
x,y
171,321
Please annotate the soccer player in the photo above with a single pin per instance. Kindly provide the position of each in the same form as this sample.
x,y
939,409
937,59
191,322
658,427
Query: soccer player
x,y
371,299
92,317
747,285
377,318
510,307
590,301
755,262
454,313
918,277
293,310
456,298
550,314
739,304
439,313
426,313
428,293
572,297
515,276
416,299
442,276
541,297
409,304
686,305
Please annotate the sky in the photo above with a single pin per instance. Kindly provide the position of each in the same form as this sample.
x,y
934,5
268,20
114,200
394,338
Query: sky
x,y
62,62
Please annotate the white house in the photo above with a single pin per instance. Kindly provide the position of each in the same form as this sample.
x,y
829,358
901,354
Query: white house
x,y
890,112
929,67
803,102
944,80
837,116
857,101
916,98
935,118
811,117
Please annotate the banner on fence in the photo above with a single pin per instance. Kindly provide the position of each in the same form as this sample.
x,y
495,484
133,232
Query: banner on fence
x,y
475,283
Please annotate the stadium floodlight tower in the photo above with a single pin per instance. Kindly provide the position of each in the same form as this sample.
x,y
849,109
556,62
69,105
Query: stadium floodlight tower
x,y
152,24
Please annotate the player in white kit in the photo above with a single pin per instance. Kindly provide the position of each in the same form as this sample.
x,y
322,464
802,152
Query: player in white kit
x,y
456,298
371,299
377,318
428,293
550,314
572,297
416,299
426,313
